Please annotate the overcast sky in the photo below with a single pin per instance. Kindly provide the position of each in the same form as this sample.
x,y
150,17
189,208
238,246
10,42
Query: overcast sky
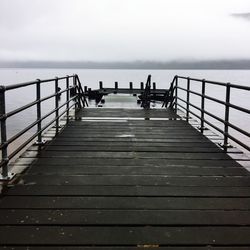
x,y
124,30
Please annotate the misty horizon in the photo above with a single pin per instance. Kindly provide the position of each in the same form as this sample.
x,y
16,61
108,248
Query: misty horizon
x,y
136,64
124,31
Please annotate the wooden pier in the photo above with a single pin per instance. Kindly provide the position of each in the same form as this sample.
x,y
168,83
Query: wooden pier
x,y
131,179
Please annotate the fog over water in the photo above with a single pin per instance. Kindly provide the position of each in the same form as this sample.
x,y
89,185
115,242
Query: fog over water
x,y
115,30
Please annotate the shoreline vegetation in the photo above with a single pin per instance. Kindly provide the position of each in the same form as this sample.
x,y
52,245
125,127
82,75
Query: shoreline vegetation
x,y
208,64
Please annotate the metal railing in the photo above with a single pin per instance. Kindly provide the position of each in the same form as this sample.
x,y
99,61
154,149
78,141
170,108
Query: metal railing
x,y
74,98
175,101
146,94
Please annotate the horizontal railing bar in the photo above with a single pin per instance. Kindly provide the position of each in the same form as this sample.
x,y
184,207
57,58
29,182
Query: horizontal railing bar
x,y
238,129
200,95
228,135
20,85
201,80
218,101
11,113
239,108
206,112
35,135
216,83
191,112
218,118
35,123
235,86
205,96
238,142
218,129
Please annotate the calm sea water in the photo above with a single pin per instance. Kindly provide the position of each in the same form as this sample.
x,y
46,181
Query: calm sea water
x,y
91,78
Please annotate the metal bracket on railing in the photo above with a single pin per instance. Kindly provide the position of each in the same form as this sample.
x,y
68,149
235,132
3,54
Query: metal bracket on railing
x,y
202,128
228,145
7,177
40,143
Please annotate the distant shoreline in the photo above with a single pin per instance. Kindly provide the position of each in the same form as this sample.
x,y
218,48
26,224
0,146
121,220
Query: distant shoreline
x,y
152,65
120,68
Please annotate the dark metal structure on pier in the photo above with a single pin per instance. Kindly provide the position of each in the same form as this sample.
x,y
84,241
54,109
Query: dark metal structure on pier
x,y
145,94
125,178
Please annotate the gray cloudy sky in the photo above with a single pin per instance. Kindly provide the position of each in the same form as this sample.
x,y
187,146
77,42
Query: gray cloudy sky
x,y
123,30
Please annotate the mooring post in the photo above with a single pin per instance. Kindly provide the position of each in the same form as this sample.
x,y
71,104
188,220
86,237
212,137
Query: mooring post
x,y
154,89
38,112
228,90
130,85
142,87
100,85
188,97
56,105
154,86
85,89
4,144
67,97
116,85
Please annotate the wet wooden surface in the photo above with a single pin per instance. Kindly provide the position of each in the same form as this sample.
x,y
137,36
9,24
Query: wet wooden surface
x,y
128,184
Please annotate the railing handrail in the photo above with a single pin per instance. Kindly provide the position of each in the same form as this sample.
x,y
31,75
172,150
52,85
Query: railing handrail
x,y
25,84
74,94
173,102
243,87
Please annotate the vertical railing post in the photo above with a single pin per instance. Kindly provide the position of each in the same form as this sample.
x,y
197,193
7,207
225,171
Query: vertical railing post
x,y
228,90
176,94
203,90
188,97
4,144
67,97
38,113
75,99
56,105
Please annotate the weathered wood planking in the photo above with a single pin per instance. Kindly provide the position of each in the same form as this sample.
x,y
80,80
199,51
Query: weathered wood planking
x,y
128,184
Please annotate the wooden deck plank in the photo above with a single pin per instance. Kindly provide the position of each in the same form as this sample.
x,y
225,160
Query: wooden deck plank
x,y
128,183
127,155
131,144
134,149
124,217
148,247
134,191
84,235
134,170
204,181
136,162
138,113
148,203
